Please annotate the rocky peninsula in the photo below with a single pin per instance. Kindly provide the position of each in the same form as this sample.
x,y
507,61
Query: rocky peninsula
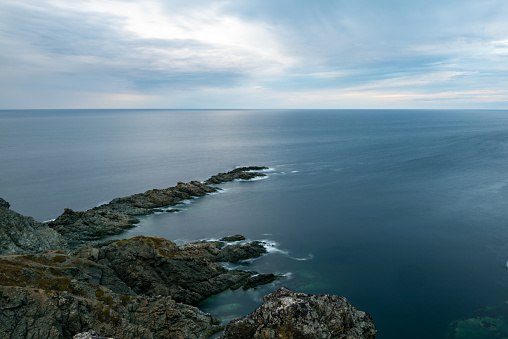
x,y
60,279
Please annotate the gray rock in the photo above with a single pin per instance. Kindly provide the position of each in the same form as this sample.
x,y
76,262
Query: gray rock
x,y
81,227
4,203
117,216
20,234
157,266
38,313
285,314
242,173
237,237
238,252
144,203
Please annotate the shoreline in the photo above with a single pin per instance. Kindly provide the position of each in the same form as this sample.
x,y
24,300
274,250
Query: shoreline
x,y
67,258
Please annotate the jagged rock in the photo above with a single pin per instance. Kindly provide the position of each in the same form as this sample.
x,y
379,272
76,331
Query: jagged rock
x,y
117,216
144,203
45,314
238,252
243,173
20,234
157,266
285,314
237,237
4,203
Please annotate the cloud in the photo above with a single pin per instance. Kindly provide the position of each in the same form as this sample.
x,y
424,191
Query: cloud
x,y
156,50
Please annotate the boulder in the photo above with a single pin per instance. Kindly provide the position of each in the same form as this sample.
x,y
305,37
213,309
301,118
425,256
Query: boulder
x,y
285,314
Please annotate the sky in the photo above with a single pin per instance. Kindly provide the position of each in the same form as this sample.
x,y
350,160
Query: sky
x,y
254,54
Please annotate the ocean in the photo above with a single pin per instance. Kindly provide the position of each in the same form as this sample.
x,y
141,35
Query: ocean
x,y
403,212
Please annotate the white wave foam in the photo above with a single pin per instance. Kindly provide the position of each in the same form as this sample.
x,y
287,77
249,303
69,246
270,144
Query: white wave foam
x,y
268,170
258,178
309,257
220,191
272,247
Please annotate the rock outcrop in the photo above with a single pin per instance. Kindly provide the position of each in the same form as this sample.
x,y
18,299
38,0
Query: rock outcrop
x,y
285,314
115,217
239,252
82,227
119,214
20,234
145,287
145,203
241,173
232,238
50,314
157,266
146,284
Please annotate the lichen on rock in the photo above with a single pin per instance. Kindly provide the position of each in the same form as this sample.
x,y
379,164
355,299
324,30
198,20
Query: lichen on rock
x,y
285,314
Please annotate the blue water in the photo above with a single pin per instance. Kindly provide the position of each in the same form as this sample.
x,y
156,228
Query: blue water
x,y
404,212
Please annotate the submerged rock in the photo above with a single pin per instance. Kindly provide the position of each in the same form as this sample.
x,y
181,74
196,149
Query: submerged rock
x,y
285,314
20,234
482,326
242,173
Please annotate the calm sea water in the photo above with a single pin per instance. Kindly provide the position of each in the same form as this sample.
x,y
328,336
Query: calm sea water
x,y
403,212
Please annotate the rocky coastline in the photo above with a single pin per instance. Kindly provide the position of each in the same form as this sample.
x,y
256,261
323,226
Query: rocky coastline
x,y
61,280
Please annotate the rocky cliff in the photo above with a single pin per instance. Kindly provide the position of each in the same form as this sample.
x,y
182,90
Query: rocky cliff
x,y
285,314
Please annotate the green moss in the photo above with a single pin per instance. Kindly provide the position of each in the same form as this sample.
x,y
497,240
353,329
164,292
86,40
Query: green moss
x,y
125,299
59,258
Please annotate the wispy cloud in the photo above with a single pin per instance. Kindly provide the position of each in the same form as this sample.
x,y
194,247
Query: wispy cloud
x,y
328,54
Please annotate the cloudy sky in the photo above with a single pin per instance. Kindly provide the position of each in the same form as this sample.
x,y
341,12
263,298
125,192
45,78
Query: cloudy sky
x,y
253,54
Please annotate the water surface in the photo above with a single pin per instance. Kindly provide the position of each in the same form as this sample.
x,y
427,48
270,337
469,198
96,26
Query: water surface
x,y
403,212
